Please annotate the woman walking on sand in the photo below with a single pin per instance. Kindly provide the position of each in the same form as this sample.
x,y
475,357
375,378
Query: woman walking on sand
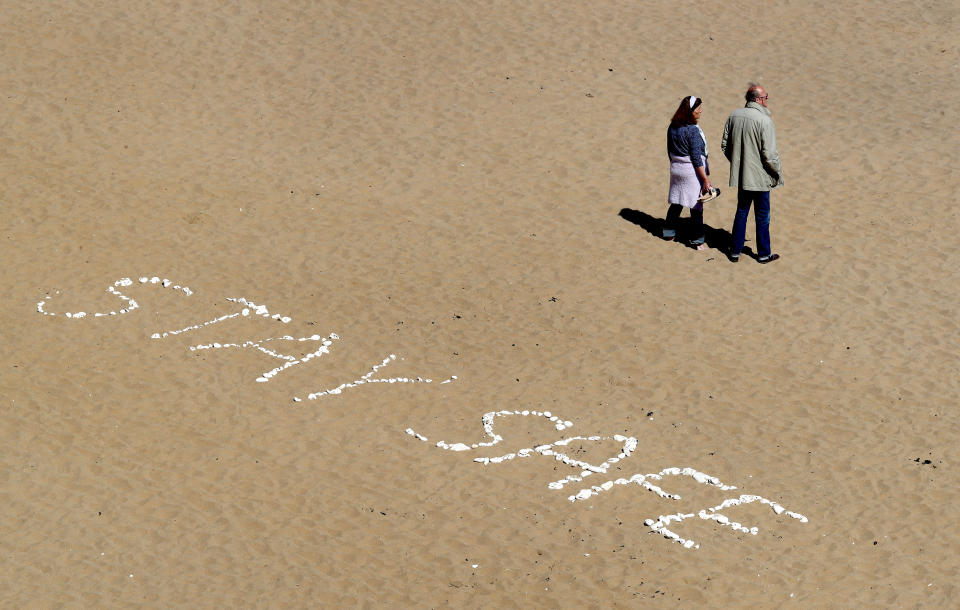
x,y
689,182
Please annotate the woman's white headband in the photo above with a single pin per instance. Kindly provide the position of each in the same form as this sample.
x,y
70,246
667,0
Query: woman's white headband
x,y
693,100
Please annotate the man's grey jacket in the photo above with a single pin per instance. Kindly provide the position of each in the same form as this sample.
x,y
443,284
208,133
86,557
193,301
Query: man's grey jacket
x,y
750,144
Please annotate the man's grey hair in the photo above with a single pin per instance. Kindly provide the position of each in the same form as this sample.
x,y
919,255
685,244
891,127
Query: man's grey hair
x,y
753,91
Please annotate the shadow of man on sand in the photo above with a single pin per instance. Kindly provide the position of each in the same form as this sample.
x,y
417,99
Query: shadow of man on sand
x,y
717,239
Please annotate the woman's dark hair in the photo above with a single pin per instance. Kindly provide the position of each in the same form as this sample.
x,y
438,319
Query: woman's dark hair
x,y
684,113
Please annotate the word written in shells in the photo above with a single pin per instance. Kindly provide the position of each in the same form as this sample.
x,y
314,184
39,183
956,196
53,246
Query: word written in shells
x,y
650,481
245,308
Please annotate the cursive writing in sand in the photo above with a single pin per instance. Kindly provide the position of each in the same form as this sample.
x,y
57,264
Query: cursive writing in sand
x,y
628,444
245,308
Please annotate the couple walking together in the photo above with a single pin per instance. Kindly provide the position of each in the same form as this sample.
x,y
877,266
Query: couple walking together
x,y
750,145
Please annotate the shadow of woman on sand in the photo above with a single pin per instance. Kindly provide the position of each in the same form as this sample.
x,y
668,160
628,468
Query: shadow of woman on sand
x,y
717,239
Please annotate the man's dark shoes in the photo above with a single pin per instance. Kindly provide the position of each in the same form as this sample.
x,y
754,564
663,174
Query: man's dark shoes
x,y
768,259
733,258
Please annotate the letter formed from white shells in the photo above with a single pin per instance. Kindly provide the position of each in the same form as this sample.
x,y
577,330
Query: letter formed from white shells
x,y
129,304
648,481
368,378
325,343
245,308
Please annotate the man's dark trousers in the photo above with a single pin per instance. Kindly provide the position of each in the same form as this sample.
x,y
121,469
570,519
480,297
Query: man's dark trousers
x,y
761,217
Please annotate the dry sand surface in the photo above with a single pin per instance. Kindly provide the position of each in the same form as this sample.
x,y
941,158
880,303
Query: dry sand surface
x,y
474,188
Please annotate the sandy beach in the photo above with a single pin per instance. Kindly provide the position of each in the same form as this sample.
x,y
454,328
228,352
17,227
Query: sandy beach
x,y
360,304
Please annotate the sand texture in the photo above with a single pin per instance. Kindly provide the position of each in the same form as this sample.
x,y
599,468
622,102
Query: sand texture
x,y
385,320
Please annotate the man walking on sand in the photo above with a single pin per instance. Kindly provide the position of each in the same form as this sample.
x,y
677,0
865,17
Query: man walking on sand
x,y
750,144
